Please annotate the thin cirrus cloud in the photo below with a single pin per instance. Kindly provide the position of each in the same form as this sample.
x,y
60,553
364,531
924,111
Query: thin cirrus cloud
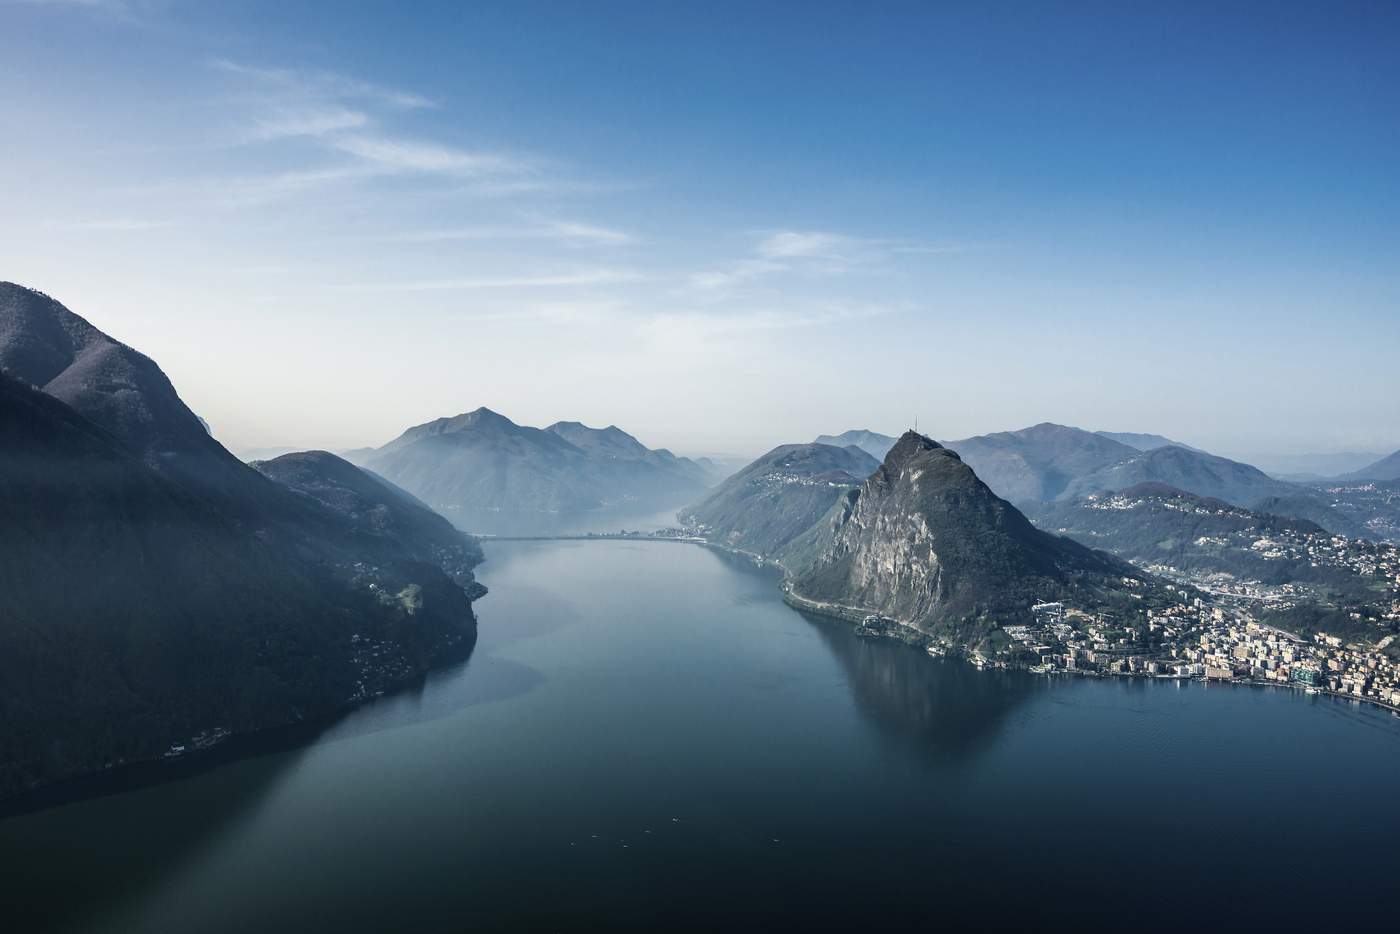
x,y
286,123
342,115
403,155
109,225
581,277
693,330
572,233
313,84
808,252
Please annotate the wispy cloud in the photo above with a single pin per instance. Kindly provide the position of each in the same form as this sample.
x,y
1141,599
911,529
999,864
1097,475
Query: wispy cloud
x,y
346,117
282,123
696,331
735,273
581,277
792,244
254,190
808,252
109,225
572,233
316,83
403,155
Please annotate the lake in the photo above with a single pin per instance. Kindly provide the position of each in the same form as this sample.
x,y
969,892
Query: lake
x,y
646,737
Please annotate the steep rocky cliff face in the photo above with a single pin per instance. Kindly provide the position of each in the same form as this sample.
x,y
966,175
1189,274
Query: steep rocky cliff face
x,y
925,541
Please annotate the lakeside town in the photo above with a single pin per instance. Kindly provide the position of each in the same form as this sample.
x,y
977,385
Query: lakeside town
x,y
1202,642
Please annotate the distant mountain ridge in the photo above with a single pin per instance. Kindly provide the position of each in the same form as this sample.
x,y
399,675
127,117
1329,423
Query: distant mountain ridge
x,y
481,461
1048,462
1143,442
871,442
1184,469
1387,468
1038,463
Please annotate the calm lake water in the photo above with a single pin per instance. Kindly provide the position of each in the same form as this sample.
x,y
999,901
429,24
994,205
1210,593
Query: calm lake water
x,y
647,738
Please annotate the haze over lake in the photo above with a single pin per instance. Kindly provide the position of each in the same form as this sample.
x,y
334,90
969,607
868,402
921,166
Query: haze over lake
x,y
646,733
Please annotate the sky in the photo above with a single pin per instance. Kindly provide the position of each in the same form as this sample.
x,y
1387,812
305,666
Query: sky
x,y
724,226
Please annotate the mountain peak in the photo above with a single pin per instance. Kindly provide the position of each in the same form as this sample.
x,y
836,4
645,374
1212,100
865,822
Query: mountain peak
x,y
871,442
477,419
911,443
926,541
482,414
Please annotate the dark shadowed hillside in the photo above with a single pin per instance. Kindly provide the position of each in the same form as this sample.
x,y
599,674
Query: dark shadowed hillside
x,y
155,592
44,344
378,510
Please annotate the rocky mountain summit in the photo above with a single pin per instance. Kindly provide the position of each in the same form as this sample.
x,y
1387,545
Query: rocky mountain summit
x,y
926,542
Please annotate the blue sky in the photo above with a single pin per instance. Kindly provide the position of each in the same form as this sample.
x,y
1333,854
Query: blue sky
x,y
724,226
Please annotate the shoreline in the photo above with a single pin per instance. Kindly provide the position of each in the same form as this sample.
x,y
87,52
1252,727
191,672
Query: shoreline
x,y
910,635
135,774
923,640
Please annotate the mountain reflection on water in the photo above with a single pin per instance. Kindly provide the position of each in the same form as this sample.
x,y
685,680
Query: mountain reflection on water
x,y
944,707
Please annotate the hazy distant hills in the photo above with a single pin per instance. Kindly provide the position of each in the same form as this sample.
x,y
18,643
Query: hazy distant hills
x,y
1309,467
1185,469
871,442
481,462
1049,463
1143,442
1387,468
925,541
1040,462
154,589
782,494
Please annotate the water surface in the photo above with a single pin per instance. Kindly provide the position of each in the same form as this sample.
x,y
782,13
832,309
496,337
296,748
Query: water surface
x,y
647,738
